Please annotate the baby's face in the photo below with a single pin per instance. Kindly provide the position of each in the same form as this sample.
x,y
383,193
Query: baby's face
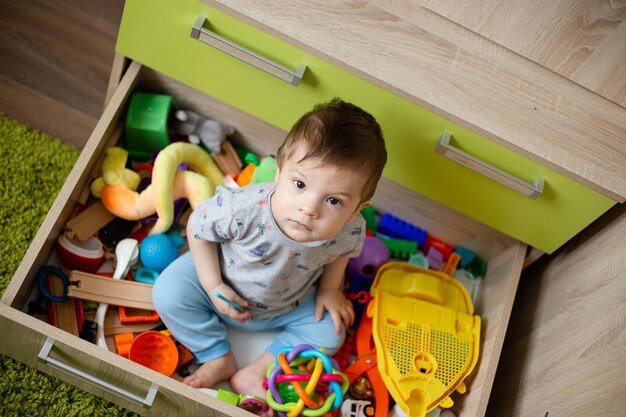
x,y
313,201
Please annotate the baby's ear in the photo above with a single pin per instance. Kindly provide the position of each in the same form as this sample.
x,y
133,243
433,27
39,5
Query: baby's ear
x,y
359,208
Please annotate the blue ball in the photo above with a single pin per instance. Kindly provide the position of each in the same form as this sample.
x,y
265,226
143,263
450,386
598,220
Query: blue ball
x,y
157,252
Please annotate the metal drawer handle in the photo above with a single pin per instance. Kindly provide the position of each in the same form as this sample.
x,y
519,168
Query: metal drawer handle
x,y
455,154
44,355
231,48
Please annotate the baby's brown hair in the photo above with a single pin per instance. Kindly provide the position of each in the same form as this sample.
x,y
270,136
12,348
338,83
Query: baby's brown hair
x,y
343,135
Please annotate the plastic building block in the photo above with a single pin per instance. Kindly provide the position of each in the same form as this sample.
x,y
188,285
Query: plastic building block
x,y
418,259
394,227
435,258
452,263
249,158
369,213
467,256
146,124
443,248
478,268
399,248
122,343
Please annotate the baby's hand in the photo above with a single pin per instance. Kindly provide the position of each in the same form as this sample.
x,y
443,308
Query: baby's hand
x,y
339,308
229,303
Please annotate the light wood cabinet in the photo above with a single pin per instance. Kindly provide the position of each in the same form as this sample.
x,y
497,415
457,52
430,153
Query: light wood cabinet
x,y
389,56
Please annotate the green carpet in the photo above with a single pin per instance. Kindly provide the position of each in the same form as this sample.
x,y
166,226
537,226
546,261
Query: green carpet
x,y
33,167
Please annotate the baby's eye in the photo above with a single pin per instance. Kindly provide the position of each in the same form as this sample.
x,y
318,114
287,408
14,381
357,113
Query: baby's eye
x,y
334,201
299,184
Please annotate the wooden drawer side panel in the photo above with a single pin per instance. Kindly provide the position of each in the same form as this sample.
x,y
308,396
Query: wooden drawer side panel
x,y
41,246
24,337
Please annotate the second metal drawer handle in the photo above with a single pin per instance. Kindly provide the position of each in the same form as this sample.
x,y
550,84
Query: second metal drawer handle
x,y
44,355
529,190
231,48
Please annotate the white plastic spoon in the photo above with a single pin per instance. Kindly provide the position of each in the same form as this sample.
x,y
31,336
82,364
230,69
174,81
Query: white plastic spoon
x,y
126,254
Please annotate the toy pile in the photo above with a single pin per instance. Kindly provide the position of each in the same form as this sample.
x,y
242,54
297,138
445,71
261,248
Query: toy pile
x,y
401,286
130,226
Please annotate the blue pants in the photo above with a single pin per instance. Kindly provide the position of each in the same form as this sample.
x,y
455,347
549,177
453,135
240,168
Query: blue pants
x,y
189,314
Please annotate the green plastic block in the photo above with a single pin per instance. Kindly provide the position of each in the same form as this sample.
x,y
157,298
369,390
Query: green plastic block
x,y
400,249
146,124
369,213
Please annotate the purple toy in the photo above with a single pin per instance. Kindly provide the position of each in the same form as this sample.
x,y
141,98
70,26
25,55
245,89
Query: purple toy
x,y
373,255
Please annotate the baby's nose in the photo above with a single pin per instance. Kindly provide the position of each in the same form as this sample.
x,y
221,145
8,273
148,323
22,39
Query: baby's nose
x,y
309,208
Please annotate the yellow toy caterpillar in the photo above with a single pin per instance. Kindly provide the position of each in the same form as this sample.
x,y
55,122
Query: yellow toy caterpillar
x,y
168,184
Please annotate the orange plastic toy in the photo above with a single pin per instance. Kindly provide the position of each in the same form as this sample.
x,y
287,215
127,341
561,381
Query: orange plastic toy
x,y
366,364
156,351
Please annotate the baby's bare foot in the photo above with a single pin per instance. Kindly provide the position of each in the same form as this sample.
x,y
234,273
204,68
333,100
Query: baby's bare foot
x,y
212,372
249,380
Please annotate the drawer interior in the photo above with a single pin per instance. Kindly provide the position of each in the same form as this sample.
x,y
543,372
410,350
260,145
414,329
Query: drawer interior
x,y
504,255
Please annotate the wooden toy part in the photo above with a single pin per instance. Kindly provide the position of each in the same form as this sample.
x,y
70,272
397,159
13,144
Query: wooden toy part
x,y
63,314
106,290
89,221
227,159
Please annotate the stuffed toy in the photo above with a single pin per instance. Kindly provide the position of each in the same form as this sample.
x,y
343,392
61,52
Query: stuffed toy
x,y
114,172
201,129
266,171
168,184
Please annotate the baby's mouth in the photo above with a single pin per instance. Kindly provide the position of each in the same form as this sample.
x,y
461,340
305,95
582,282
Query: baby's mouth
x,y
300,225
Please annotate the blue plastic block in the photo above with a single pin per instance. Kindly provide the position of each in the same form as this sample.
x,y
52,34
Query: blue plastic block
x,y
394,227
466,255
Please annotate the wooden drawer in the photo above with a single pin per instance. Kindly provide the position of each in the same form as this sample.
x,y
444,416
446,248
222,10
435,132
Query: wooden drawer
x,y
27,336
158,36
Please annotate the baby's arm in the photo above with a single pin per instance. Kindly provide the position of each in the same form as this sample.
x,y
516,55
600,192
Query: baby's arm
x,y
330,295
206,261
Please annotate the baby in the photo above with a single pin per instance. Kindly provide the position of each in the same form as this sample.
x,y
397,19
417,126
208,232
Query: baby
x,y
278,251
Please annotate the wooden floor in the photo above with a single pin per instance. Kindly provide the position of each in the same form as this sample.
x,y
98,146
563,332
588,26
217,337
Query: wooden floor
x,y
55,59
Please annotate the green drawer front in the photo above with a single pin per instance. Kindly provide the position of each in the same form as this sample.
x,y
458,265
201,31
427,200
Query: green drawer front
x,y
157,34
